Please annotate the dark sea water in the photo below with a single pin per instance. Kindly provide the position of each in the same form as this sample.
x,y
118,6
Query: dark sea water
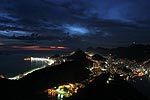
x,y
12,62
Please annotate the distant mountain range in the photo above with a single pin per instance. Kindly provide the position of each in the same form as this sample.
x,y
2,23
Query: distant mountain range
x,y
136,52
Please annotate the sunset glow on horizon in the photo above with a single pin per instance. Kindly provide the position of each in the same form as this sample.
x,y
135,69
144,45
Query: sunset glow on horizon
x,y
36,48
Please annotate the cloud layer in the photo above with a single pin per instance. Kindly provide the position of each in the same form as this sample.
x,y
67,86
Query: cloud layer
x,y
81,22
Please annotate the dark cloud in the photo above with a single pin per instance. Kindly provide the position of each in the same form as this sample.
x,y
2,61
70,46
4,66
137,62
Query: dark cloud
x,y
80,22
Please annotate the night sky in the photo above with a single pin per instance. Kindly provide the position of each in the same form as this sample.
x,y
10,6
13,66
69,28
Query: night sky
x,y
74,23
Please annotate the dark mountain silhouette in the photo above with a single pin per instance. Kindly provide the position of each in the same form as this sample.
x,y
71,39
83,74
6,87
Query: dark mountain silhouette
x,y
142,85
8,89
29,87
55,56
136,52
118,89
79,54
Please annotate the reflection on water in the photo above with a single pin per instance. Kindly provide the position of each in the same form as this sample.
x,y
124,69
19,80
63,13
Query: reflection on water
x,y
12,65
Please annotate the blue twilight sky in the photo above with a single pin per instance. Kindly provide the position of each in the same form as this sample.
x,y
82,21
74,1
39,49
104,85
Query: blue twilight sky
x,y
75,23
